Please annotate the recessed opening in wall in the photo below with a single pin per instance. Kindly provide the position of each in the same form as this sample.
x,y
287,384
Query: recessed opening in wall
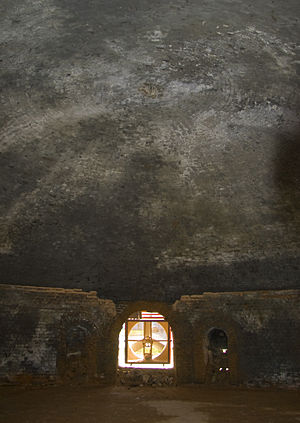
x,y
146,341
218,351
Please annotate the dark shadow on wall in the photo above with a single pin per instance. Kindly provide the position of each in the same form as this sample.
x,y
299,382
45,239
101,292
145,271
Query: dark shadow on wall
x,y
19,175
287,177
168,285
103,238
273,359
17,328
268,273
108,236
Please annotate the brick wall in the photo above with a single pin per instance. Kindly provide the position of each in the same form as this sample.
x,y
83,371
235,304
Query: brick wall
x,y
61,335
262,329
51,333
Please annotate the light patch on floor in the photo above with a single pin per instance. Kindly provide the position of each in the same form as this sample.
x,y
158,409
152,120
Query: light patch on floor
x,y
180,411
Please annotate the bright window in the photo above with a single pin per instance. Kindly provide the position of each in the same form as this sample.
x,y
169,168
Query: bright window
x,y
146,341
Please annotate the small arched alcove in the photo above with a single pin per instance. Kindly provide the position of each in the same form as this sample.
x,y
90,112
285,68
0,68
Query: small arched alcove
x,y
217,370
218,340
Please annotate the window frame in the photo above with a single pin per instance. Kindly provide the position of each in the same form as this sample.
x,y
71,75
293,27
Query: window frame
x,y
168,340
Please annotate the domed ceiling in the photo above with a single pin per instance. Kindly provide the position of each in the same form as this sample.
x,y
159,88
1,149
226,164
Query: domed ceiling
x,y
150,149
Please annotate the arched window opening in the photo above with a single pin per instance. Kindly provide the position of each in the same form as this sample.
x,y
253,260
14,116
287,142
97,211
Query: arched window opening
x,y
218,340
218,367
146,341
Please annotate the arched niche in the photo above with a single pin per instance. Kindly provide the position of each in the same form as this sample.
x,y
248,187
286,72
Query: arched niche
x,y
217,339
112,348
217,358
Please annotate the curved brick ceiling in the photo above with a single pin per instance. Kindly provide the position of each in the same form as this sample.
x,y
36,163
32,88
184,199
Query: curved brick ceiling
x,y
150,149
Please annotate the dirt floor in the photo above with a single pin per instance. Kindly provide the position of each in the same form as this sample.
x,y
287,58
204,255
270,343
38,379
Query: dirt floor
x,y
147,405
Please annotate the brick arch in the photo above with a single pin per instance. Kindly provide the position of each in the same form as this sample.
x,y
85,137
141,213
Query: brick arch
x,y
202,343
77,348
130,308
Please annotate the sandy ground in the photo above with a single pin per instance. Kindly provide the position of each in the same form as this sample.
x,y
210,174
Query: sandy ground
x,y
147,405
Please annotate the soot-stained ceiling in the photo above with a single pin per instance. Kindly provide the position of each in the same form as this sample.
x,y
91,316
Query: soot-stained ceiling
x,y
150,149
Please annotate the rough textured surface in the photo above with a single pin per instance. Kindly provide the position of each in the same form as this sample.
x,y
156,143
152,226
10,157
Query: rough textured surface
x,y
148,405
150,149
143,377
52,335
263,348
69,336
